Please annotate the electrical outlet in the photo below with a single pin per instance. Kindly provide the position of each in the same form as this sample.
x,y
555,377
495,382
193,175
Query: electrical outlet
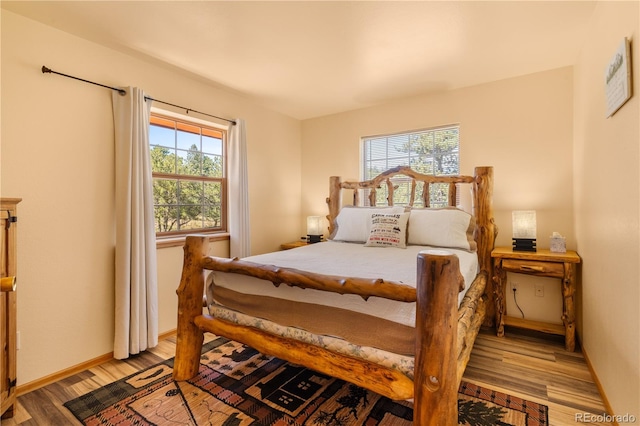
x,y
514,286
540,290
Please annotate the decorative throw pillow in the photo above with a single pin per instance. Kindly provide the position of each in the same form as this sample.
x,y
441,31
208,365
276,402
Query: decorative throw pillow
x,y
353,223
388,230
448,227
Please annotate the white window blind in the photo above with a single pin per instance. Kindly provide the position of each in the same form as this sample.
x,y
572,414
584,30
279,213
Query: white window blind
x,y
433,151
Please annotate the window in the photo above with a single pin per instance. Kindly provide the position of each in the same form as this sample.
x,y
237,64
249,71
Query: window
x,y
189,184
430,152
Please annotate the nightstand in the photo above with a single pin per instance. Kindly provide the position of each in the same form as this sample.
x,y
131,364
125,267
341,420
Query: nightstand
x,y
294,244
542,263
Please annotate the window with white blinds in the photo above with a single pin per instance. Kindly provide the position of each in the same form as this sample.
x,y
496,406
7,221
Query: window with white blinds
x,y
433,151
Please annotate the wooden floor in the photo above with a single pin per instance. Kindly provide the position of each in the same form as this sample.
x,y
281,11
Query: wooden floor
x,y
536,367
530,367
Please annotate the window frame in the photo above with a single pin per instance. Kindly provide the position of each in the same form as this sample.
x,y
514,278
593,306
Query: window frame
x,y
172,237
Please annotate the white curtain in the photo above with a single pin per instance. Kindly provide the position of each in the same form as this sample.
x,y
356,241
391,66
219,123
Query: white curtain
x,y
136,283
240,239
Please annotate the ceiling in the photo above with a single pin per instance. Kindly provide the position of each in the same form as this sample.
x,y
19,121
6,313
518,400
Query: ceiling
x,y
312,58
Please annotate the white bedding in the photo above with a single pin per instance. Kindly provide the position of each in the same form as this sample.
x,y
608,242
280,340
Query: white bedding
x,y
345,259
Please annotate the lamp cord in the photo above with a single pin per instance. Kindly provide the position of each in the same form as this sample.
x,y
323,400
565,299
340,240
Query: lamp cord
x,y
516,302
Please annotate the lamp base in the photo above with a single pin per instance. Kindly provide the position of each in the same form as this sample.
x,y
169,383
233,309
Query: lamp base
x,y
524,244
311,239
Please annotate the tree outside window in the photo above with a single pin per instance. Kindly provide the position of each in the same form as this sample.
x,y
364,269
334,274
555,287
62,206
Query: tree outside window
x,y
189,185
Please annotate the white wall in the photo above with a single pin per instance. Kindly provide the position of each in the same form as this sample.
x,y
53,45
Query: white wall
x,y
521,126
57,154
607,197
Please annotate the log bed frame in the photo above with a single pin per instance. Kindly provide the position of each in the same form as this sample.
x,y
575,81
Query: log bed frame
x,y
444,332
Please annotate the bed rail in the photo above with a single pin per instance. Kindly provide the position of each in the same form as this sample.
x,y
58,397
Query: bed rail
x,y
362,287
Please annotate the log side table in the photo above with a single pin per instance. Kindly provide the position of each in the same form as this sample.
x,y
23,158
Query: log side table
x,y
542,263
293,244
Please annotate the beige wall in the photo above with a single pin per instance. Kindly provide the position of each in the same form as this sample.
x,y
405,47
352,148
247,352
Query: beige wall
x,y
57,154
607,198
521,126
532,129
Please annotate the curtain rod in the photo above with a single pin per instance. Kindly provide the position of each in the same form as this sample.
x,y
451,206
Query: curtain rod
x,y
123,92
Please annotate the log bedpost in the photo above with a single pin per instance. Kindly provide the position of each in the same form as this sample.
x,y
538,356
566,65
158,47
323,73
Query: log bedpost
x,y
334,201
486,231
190,293
435,370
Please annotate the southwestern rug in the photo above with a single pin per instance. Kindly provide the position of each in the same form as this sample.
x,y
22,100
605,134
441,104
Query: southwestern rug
x,y
238,386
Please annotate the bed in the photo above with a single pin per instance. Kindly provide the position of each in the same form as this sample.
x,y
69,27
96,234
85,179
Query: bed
x,y
425,310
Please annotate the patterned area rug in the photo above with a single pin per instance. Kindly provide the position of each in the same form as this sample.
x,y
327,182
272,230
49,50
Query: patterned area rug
x,y
238,386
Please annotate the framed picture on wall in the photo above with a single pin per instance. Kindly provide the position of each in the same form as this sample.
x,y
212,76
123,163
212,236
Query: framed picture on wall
x,y
617,78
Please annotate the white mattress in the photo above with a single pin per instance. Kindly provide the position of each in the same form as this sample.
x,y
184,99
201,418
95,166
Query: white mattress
x,y
345,259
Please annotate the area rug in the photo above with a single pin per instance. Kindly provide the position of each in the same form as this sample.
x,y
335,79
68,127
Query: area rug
x,y
238,386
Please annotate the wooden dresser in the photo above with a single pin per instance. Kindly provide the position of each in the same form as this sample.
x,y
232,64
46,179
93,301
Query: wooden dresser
x,y
8,228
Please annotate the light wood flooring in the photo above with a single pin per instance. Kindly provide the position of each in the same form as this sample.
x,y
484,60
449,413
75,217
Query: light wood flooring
x,y
523,365
536,367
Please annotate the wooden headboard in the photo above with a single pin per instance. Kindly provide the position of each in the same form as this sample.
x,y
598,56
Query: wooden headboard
x,y
482,203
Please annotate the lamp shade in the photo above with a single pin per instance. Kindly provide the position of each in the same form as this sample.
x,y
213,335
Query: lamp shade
x,y
314,225
524,224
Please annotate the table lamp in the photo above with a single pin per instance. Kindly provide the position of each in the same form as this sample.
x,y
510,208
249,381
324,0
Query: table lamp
x,y
524,230
314,229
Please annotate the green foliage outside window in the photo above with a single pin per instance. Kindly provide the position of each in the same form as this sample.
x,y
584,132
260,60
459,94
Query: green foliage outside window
x,y
188,185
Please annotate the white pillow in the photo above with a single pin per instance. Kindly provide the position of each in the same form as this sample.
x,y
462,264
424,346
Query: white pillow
x,y
388,230
450,227
353,223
